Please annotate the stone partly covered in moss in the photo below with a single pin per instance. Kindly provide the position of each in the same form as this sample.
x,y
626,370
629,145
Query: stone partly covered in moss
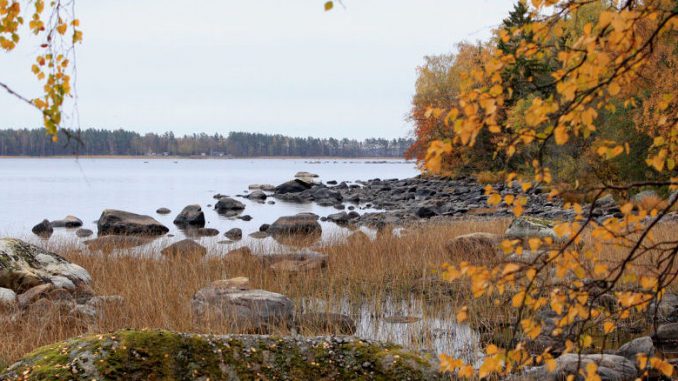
x,y
163,355
24,266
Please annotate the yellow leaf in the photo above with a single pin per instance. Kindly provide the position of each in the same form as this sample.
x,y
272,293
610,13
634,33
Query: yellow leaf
x,y
561,135
614,88
494,199
61,28
608,327
462,315
329,5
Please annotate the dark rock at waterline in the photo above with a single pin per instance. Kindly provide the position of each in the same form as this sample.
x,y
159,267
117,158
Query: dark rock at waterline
x,y
227,204
184,247
118,222
206,232
339,218
257,195
300,224
83,233
246,217
191,215
264,227
67,222
163,211
332,182
294,186
43,229
234,234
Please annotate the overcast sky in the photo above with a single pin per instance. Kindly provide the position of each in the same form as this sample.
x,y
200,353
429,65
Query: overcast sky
x,y
253,65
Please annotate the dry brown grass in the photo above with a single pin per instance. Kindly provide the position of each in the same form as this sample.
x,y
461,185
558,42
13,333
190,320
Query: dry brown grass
x,y
157,291
651,202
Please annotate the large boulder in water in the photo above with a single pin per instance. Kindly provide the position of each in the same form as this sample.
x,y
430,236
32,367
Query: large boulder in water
x,y
191,215
294,186
164,355
118,222
43,229
24,266
300,224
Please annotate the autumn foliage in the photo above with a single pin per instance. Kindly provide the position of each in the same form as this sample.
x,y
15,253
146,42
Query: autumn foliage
x,y
58,31
571,82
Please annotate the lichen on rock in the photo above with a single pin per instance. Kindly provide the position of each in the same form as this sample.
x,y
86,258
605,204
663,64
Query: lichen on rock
x,y
157,354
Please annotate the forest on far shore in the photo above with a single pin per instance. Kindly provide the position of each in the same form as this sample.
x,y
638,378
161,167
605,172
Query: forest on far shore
x,y
35,142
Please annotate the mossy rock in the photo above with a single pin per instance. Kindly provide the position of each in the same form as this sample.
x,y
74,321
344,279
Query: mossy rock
x,y
164,355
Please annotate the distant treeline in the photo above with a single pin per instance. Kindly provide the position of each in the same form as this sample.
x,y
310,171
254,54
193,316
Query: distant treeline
x,y
34,142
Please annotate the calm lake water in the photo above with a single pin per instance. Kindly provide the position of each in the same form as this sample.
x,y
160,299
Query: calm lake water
x,y
34,189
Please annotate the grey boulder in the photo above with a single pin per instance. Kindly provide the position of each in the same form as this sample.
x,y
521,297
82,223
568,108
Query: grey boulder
x,y
191,215
118,222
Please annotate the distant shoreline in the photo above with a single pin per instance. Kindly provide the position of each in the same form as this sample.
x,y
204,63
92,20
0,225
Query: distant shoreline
x,y
130,157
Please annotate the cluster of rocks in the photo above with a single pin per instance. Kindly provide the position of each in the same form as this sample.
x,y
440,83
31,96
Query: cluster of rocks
x,y
35,281
45,228
416,198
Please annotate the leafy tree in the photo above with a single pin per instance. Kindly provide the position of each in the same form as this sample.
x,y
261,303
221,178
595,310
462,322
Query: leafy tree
x,y
605,77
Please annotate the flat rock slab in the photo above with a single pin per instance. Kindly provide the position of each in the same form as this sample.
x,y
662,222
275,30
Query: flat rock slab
x,y
164,355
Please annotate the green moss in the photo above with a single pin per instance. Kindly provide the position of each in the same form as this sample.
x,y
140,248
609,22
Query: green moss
x,y
163,355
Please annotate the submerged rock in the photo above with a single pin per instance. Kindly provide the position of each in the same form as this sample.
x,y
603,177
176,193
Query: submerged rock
x,y
158,354
43,229
118,222
234,234
257,195
163,211
227,204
